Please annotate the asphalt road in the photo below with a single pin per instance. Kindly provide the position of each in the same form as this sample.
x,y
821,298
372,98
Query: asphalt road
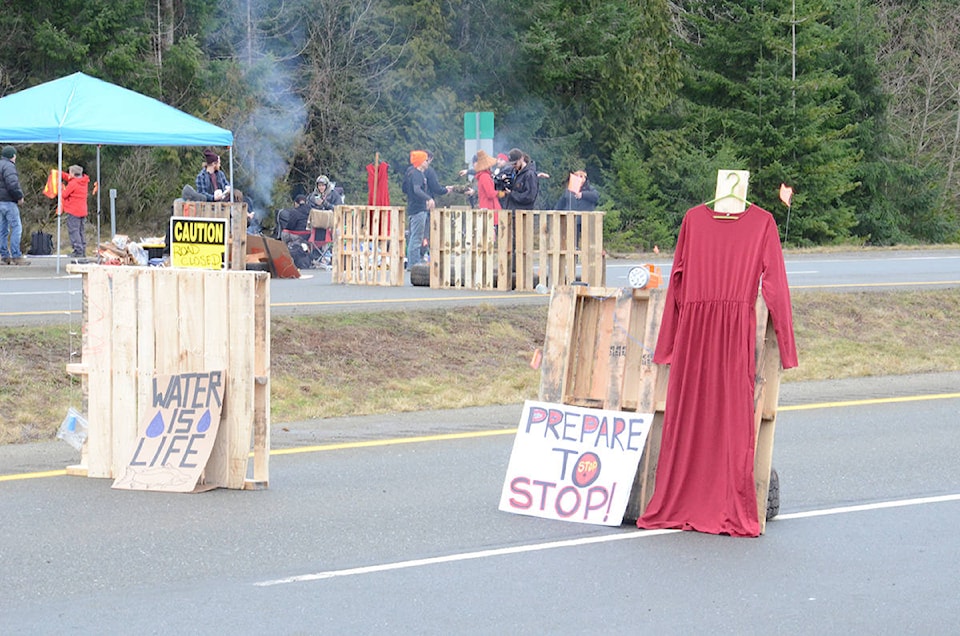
x,y
389,525
38,294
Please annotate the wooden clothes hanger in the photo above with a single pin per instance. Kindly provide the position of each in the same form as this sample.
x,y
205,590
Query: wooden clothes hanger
x,y
730,195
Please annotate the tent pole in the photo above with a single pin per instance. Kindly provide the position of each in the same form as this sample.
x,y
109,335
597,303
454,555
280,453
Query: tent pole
x,y
231,173
98,198
59,196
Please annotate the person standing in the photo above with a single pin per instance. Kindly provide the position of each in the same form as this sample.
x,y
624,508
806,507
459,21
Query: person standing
x,y
74,199
523,192
211,181
434,189
579,196
11,197
487,198
419,202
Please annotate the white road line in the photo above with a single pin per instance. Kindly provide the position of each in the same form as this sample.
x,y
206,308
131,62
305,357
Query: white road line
x,y
569,543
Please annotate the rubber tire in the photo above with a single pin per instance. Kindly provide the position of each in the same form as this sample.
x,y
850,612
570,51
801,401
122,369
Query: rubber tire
x,y
773,495
420,275
258,267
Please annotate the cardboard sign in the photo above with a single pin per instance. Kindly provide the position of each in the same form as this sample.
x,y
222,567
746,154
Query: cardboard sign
x,y
198,242
176,436
574,464
575,183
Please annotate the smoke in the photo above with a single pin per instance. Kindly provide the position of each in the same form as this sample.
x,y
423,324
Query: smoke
x,y
266,140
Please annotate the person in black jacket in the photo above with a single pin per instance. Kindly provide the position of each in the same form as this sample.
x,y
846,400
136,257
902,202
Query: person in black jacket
x,y
419,203
523,192
579,196
11,198
294,220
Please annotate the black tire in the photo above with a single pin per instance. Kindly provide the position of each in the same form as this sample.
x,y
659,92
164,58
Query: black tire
x,y
773,495
258,267
420,275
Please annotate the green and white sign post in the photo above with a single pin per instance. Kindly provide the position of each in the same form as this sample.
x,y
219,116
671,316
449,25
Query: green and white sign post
x,y
477,134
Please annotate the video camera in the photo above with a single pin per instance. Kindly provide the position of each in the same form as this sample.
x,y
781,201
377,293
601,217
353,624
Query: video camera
x,y
503,179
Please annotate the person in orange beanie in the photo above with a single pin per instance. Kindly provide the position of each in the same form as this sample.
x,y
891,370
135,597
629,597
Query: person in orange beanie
x,y
74,199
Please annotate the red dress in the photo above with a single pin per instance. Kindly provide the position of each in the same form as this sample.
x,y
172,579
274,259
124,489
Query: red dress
x,y
705,471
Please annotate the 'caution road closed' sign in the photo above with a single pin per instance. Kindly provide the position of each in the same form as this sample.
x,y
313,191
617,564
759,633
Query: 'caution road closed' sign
x,y
198,242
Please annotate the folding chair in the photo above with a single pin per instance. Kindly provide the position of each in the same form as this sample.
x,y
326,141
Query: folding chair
x,y
321,244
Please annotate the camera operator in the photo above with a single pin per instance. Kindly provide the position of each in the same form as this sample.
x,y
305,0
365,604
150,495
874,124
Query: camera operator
x,y
525,186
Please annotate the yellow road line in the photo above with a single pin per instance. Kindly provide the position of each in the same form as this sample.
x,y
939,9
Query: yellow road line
x,y
384,301
46,473
323,303
444,437
853,285
441,437
892,400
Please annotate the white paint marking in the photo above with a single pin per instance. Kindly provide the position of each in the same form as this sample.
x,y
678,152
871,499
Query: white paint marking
x,y
570,543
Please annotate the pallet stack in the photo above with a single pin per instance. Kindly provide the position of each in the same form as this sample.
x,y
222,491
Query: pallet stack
x,y
598,353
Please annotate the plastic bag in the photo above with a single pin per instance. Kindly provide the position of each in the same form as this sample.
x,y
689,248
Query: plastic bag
x,y
73,429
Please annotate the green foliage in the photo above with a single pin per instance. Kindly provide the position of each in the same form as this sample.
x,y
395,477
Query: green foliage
x,y
652,97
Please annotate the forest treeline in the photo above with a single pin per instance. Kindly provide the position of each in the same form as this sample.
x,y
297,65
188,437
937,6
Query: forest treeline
x,y
853,103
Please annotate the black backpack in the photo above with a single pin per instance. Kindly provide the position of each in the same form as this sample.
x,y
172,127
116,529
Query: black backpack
x,y
41,243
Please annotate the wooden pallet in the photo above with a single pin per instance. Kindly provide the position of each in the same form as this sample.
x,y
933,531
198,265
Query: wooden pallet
x,y
236,212
548,253
463,249
139,322
368,245
598,353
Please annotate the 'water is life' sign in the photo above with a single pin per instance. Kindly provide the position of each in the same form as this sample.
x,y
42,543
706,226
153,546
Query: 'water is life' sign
x,y
176,436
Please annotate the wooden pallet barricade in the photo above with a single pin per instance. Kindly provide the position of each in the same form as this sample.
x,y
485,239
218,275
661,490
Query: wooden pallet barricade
x,y
527,248
548,253
463,249
598,353
368,245
139,322
236,212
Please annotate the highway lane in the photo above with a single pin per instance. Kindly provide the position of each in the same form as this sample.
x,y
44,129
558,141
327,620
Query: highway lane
x,y
42,296
382,533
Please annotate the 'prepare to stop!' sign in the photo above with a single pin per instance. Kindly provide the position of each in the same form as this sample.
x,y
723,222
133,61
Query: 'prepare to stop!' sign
x,y
574,464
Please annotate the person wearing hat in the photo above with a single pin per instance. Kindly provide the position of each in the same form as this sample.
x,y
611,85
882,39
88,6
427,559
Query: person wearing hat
x,y
502,174
74,199
523,192
487,198
325,195
211,182
11,198
419,201
293,222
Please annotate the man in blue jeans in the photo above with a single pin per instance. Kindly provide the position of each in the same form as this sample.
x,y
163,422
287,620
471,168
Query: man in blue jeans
x,y
419,202
11,196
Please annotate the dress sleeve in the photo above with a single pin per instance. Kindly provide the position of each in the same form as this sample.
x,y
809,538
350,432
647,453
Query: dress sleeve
x,y
776,293
671,311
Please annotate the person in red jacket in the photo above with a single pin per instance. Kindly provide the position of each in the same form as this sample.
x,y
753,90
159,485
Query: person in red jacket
x,y
75,205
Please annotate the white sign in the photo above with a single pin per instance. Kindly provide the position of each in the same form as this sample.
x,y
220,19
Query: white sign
x,y
573,463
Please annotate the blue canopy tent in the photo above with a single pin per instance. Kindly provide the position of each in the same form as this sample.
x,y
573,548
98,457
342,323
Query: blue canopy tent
x,y
79,109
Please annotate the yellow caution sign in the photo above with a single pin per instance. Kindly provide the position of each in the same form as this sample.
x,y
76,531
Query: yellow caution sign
x,y
198,242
